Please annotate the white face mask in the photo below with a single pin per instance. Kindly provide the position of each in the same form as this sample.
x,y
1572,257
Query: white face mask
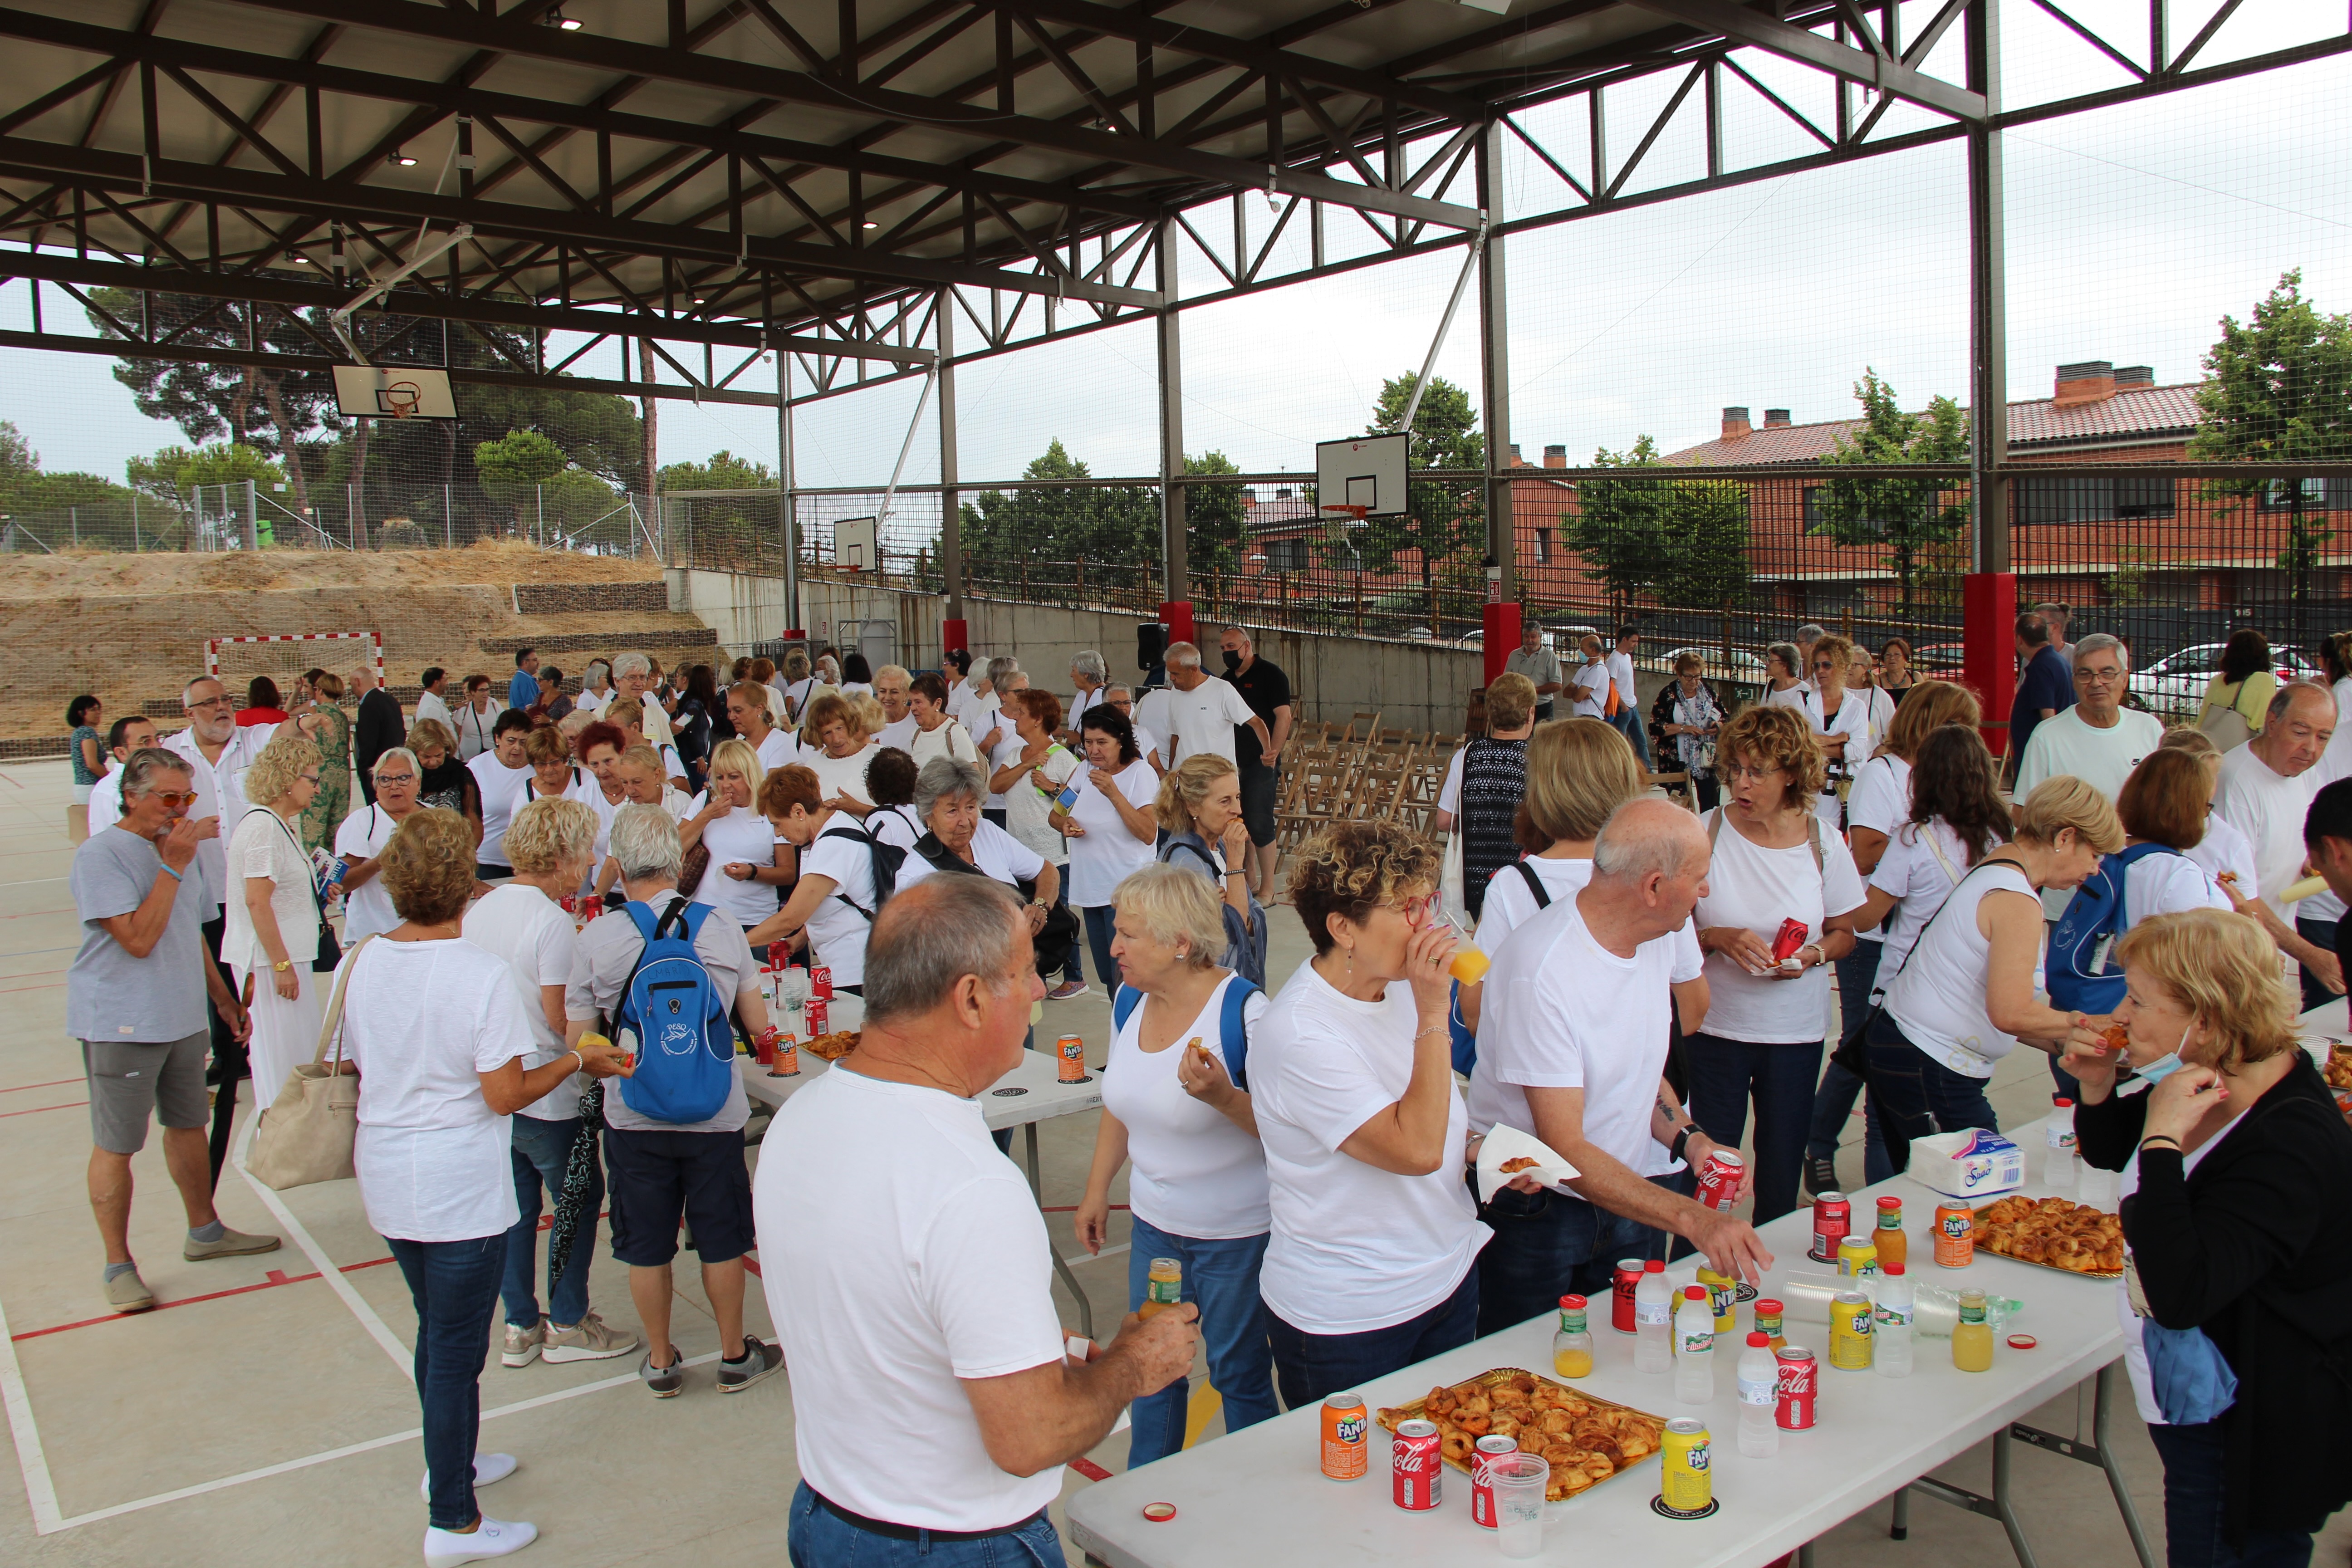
x,y
2165,1065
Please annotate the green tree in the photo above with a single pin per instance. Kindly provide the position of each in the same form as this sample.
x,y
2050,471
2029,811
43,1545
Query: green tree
x,y
535,479
1620,525
2279,390
1040,539
1216,527
722,528
1444,523
723,471
170,472
27,493
1706,526
1905,516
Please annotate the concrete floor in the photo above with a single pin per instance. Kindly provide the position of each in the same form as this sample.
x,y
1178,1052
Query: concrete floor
x,y
264,1416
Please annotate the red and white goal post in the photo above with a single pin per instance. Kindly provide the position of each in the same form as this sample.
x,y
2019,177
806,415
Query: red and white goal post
x,y
250,656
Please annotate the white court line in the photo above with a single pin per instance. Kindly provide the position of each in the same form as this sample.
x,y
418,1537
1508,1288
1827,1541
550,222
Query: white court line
x,y
34,882
403,1356
39,1491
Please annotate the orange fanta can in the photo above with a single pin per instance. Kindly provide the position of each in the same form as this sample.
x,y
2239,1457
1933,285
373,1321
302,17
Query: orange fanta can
x,y
1347,1437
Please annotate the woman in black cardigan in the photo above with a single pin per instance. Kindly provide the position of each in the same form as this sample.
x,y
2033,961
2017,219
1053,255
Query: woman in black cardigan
x,y
2237,1211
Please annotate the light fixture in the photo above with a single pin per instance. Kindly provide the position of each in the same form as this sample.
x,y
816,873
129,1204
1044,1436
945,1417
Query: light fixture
x,y
869,223
403,158
569,24
299,259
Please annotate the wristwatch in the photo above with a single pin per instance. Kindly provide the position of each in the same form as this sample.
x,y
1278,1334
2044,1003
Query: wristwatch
x,y
1682,1141
281,966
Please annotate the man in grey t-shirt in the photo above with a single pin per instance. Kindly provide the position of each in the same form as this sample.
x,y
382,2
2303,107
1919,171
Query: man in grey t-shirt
x,y
1538,664
135,996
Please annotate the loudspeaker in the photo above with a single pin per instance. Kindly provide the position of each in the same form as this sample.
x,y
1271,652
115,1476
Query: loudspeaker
x,y
1150,645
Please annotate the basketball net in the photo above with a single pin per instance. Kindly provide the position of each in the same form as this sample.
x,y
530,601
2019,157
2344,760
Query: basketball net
x,y
1337,517
402,398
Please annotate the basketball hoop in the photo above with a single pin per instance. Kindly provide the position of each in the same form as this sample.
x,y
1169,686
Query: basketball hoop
x,y
400,398
1336,518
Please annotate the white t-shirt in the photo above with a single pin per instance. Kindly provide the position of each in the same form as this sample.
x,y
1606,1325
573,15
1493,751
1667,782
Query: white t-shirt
x,y
1563,1012
1880,800
367,909
840,775
961,699
1853,719
1790,697
899,734
1449,793
422,1019
429,706
1193,1172
264,845
897,825
530,932
1354,1248
855,688
950,739
502,795
838,931
779,750
741,835
2103,759
1620,673
594,702
1107,853
1757,888
1590,684
473,725
2162,884
2269,809
1509,905
1939,997
1200,720
1079,702
2334,763
994,755
1923,863
901,1253
2224,848
993,851
1027,812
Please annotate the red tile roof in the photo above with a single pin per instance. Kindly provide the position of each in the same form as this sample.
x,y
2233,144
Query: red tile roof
x,y
2132,412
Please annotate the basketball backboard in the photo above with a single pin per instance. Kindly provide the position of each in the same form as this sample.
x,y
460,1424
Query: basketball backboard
x,y
1368,471
394,392
853,543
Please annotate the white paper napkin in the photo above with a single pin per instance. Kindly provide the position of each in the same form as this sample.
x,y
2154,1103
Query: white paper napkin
x,y
1510,1144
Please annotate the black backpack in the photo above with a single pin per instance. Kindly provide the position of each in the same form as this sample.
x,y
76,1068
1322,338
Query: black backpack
x,y
885,859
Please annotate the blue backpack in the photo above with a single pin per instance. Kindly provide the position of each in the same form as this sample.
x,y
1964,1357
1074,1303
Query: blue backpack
x,y
2078,975
685,1047
1233,1035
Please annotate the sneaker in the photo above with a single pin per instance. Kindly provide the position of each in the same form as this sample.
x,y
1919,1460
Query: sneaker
x,y
522,1346
129,1293
490,1537
1065,990
1821,1174
590,1339
489,1469
759,1359
232,1244
665,1381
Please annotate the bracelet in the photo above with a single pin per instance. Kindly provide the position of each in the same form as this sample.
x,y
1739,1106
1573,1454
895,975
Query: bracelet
x,y
167,870
2161,1138
582,1055
1433,1029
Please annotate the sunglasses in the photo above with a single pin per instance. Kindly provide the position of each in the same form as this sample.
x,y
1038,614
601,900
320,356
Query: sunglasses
x,y
175,798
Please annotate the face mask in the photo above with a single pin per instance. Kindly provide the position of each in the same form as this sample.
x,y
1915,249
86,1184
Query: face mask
x,y
2165,1065
1232,660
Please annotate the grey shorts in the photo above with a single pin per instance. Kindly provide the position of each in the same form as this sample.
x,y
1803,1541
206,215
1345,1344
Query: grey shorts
x,y
128,1079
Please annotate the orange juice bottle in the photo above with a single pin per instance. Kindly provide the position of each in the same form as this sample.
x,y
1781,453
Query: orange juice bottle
x,y
1163,1288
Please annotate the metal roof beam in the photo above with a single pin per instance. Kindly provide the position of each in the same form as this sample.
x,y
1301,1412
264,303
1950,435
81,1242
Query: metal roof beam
x,y
1807,47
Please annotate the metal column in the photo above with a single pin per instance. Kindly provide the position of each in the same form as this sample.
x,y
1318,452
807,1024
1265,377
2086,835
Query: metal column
x,y
792,532
1500,617
1176,608
954,631
1990,595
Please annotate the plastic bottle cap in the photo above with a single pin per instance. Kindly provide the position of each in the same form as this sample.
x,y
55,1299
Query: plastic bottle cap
x,y
1573,1303
1759,1340
1893,1270
2022,1341
2063,1102
1655,1266
1159,1512
1695,1292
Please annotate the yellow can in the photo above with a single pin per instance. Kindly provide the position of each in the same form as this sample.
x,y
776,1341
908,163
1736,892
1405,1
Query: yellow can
x,y
1850,1332
1857,1257
1723,1295
1688,1485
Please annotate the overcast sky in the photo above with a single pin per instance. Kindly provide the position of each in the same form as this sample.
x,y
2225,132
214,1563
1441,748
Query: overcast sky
x,y
2131,233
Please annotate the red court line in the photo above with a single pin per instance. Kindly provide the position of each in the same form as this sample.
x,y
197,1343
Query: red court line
x,y
36,1111
277,1278
1089,1469
51,1084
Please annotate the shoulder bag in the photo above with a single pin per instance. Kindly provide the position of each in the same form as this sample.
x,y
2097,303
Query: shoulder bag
x,y
307,1132
330,948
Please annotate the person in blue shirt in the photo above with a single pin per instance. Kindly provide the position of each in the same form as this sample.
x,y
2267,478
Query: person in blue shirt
x,y
2047,689
523,690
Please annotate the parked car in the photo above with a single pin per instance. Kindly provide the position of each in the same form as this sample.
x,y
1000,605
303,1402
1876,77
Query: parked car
x,y
1745,668
2175,684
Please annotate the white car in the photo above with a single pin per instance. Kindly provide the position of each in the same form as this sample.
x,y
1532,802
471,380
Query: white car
x,y
2175,684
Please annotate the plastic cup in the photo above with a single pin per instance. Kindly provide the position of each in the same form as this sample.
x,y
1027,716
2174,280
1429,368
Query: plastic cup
x,y
1470,966
1518,1481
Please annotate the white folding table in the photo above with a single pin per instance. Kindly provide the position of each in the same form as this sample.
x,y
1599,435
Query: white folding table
x,y
1260,1496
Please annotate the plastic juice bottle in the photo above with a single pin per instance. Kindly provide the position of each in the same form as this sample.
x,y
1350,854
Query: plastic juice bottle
x,y
1571,1344
1891,1313
1654,1307
1972,1335
1894,1246
1695,1347
1163,1288
1760,1380
2058,1163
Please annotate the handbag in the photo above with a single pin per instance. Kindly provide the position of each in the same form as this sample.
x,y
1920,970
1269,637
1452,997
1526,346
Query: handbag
x,y
2227,727
307,1132
330,948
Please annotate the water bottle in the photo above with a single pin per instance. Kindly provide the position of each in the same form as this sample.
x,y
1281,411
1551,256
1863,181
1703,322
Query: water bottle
x,y
1937,1311
1695,1347
1759,1380
1890,1312
1652,1330
2058,1161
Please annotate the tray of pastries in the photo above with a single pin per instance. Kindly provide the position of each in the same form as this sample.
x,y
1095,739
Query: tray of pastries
x,y
832,1047
2053,1233
2338,1069
1585,1440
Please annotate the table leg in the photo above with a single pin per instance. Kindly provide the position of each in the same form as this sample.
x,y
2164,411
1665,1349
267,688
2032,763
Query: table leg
x,y
1900,1529
2099,1452
1997,1506
1805,1555
1037,1191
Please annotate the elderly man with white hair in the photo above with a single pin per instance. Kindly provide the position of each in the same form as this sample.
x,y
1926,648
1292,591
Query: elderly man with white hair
x,y
2265,793
1196,713
660,1171
1088,671
934,1401
1573,1047
637,710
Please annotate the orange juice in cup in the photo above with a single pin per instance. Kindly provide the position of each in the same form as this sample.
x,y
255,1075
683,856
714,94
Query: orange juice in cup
x,y
1470,966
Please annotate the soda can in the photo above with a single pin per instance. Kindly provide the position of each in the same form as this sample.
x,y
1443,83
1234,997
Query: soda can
x,y
1347,1455
1718,1184
1417,1465
1627,1280
819,1016
1722,1294
1482,1477
788,1058
1833,1220
1857,1257
1956,1235
821,982
1070,1051
1793,1395
1689,1480
1788,939
1850,1332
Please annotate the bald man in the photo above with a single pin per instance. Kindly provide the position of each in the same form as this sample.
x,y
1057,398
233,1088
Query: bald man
x,y
2265,793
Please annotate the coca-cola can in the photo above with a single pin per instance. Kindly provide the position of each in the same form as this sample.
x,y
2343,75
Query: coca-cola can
x,y
1627,1280
1482,1477
1416,1465
1718,1184
1833,1222
821,982
819,1016
1799,1376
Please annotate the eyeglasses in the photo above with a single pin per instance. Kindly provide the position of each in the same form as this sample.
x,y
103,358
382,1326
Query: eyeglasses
x,y
210,702
384,779
175,798
1742,770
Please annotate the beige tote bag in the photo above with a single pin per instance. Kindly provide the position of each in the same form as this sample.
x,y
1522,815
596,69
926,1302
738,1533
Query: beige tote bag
x,y
307,1132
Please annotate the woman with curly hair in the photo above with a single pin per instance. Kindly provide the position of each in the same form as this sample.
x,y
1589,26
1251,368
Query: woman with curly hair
x,y
1351,1080
271,938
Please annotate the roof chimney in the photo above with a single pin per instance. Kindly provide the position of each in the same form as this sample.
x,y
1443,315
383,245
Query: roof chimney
x,y
1735,423
1517,461
1776,419
2088,381
2135,375
1556,455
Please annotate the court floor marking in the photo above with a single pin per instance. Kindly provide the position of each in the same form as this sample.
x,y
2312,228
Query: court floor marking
x,y
403,1356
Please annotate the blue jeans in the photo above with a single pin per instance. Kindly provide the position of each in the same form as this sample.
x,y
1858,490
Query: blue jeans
x,y
1857,975
454,1285
1628,725
1724,1073
817,1538
2193,1509
1916,1097
2321,934
1102,924
1221,1279
542,1151
1547,1245
1312,1367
